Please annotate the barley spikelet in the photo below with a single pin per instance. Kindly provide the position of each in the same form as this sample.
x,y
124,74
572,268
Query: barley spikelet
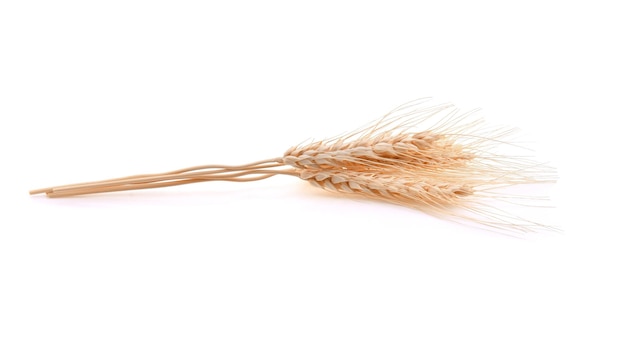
x,y
432,158
403,150
402,189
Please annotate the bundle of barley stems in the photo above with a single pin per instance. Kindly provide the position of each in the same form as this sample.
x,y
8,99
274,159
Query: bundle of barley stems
x,y
432,158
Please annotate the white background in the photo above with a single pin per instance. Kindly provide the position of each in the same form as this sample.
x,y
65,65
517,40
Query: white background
x,y
94,90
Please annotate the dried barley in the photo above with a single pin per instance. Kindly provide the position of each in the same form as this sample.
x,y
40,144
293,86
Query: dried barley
x,y
432,158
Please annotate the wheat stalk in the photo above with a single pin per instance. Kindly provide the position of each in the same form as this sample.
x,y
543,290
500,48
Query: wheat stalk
x,y
432,158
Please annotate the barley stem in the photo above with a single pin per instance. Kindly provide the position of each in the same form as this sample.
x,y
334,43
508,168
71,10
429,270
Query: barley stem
x,y
241,173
